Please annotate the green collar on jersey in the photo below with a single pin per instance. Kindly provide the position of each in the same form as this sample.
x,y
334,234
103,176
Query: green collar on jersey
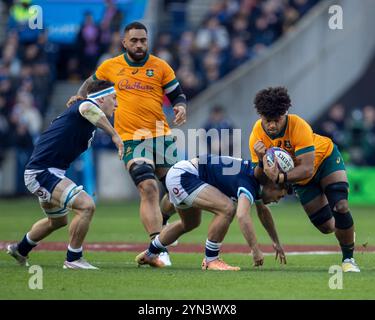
x,y
282,132
136,64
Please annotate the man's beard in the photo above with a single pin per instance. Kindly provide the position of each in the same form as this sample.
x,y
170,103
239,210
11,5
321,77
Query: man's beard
x,y
136,57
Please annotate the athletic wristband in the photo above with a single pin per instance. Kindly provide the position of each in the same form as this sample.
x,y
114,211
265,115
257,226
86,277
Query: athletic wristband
x,y
285,177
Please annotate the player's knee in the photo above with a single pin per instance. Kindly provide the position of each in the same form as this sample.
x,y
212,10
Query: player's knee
x,y
87,208
343,221
337,194
142,172
148,189
229,210
327,227
322,220
342,206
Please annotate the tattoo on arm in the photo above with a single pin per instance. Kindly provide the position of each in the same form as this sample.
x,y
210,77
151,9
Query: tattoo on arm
x,y
82,91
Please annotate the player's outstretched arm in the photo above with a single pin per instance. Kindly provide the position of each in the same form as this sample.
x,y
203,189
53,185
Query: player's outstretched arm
x,y
247,228
266,219
97,117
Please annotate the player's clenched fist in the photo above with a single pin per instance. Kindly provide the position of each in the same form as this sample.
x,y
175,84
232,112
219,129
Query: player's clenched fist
x,y
260,149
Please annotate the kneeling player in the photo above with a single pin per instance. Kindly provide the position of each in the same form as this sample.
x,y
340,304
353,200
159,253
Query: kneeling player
x,y
66,138
212,184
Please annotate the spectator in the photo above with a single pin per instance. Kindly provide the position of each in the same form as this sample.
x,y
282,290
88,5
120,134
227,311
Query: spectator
x,y
27,122
88,42
238,55
369,124
212,33
220,143
335,126
110,22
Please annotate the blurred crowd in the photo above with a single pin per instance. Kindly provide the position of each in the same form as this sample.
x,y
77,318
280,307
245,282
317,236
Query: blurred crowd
x,y
353,130
232,32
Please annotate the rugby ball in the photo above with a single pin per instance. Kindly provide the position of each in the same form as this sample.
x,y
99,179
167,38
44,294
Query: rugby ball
x,y
283,159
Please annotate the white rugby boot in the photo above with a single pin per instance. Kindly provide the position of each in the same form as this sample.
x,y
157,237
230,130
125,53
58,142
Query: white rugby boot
x,y
79,264
164,257
12,250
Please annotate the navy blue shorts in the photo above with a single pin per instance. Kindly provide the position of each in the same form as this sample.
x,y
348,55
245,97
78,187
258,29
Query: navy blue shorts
x,y
43,182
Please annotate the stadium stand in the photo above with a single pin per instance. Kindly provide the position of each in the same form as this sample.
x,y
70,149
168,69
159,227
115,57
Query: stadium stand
x,y
227,35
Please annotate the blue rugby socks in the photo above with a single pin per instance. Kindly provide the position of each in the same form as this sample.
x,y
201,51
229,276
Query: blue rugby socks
x,y
156,247
212,250
26,245
73,254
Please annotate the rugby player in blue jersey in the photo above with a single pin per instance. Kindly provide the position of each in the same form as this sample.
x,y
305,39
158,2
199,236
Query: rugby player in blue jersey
x,y
211,183
69,135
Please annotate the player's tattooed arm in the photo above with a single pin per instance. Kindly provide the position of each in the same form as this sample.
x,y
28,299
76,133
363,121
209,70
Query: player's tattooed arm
x,y
82,92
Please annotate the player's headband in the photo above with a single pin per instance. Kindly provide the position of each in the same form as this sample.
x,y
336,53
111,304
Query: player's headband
x,y
102,93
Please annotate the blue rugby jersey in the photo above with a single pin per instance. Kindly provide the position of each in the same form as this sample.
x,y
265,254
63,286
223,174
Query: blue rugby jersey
x,y
63,141
230,183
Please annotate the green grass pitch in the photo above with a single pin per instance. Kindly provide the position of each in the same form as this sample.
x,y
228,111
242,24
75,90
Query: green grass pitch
x,y
304,277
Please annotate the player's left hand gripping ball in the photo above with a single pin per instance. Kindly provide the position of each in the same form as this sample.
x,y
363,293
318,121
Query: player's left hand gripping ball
x,y
270,168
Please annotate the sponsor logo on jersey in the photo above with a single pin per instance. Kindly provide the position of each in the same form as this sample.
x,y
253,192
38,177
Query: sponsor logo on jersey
x,y
128,151
124,84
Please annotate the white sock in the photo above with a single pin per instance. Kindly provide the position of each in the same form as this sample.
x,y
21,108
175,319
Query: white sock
x,y
213,248
31,242
74,250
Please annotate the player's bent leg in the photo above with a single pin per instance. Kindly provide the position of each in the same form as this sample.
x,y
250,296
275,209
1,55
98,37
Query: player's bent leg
x,y
153,256
320,214
167,210
83,207
322,219
142,172
336,188
190,219
56,215
213,200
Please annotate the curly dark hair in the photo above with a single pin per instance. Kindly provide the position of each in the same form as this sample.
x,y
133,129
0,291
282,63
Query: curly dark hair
x,y
99,85
272,103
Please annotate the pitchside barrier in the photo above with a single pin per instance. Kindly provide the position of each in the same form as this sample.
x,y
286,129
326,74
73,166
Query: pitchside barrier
x,y
362,183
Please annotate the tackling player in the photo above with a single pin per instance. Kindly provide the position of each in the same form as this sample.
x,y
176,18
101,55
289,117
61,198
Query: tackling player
x,y
65,139
209,184
141,80
319,177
